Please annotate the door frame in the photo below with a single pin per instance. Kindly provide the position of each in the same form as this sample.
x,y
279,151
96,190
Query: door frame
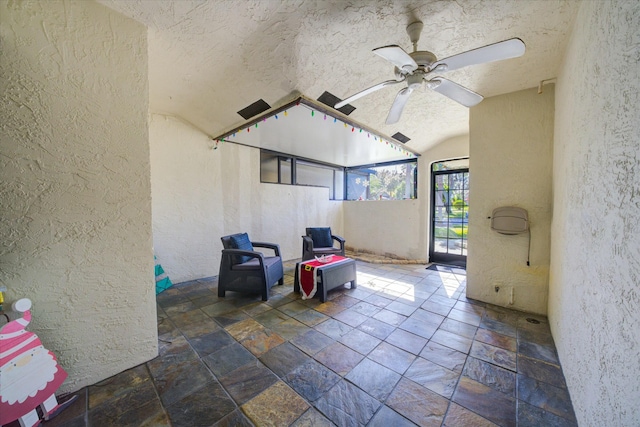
x,y
439,257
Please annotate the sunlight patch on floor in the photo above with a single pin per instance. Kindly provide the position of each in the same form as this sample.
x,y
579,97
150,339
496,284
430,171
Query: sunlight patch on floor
x,y
410,295
449,283
400,289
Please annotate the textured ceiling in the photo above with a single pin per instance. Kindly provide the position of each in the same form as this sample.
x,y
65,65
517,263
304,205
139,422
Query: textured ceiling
x,y
210,59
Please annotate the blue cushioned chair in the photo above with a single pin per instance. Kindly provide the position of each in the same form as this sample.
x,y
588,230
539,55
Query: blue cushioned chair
x,y
243,269
319,241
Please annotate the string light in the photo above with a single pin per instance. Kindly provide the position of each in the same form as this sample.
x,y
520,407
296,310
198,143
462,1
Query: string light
x,y
335,120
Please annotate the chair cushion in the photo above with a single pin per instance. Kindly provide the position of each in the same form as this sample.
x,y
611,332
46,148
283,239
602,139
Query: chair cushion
x,y
321,237
241,241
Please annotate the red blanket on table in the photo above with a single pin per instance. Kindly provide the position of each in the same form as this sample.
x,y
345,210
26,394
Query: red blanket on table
x,y
308,277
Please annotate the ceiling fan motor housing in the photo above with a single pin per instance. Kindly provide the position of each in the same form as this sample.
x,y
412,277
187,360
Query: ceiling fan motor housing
x,y
423,58
415,80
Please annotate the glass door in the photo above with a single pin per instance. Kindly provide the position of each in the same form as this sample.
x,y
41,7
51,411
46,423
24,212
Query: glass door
x,y
450,212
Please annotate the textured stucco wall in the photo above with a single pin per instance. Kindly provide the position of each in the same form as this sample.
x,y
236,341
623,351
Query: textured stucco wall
x,y
385,227
401,227
452,148
594,294
511,143
201,194
75,230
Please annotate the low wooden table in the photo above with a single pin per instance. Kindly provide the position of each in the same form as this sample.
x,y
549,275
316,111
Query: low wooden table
x,y
330,277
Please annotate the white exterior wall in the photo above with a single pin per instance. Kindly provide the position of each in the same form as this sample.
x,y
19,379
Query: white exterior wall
x,y
511,147
201,194
594,294
75,229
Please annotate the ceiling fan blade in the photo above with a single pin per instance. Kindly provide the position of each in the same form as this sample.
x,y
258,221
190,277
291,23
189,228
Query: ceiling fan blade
x,y
398,57
454,91
366,92
398,105
511,48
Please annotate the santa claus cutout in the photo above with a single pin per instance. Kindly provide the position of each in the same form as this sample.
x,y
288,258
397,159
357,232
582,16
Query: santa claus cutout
x,y
29,373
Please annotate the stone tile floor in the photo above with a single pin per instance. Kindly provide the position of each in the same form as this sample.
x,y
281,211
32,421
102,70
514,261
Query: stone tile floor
x,y
405,348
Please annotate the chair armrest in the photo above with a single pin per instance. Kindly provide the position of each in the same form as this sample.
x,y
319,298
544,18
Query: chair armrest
x,y
274,246
307,248
338,238
252,254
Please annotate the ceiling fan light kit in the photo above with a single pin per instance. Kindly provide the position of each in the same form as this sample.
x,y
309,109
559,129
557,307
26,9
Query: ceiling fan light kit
x,y
417,67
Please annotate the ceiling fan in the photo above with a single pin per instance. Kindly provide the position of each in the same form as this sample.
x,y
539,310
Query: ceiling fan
x,y
419,66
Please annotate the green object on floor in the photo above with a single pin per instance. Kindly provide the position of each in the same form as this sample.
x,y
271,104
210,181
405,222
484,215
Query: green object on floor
x,y
162,280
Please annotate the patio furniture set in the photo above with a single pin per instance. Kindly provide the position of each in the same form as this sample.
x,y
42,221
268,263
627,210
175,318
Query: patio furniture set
x,y
323,266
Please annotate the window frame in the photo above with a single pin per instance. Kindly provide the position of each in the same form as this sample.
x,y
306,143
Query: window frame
x,y
335,168
384,164
294,173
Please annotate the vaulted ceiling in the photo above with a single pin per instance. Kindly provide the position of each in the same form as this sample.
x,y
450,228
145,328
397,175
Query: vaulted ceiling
x,y
210,59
